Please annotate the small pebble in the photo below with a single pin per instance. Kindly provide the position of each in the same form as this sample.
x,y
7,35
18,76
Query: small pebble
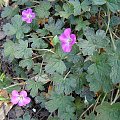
x,y
2,35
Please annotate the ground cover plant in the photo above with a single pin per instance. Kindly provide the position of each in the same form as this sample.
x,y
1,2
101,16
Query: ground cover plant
x,y
64,56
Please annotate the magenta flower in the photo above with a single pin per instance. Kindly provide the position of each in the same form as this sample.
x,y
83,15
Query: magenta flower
x,y
20,98
28,15
67,40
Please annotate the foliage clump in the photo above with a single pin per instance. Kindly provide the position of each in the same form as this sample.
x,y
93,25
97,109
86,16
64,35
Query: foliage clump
x,y
67,54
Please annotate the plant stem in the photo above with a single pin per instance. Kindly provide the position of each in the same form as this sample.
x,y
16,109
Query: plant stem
x,y
116,97
23,83
96,103
86,111
36,57
48,50
67,74
108,20
17,78
36,1
115,35
108,28
104,98
114,47
112,95
41,67
48,37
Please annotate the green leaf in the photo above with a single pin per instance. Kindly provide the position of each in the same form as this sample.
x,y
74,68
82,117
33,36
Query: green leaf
x,y
108,112
41,99
58,81
77,7
79,105
58,102
16,27
94,41
26,116
36,68
69,84
55,65
3,98
85,5
59,53
22,50
114,61
113,5
55,40
2,77
86,93
9,50
42,78
68,10
99,39
99,75
43,32
73,55
115,70
99,2
43,9
9,29
87,47
21,2
53,118
9,90
26,63
19,71
2,3
114,21
68,114
9,12
34,86
54,27
80,82
64,85
90,117
81,24
6,82
37,42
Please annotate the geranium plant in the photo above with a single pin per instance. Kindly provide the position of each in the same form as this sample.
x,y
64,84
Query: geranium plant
x,y
65,52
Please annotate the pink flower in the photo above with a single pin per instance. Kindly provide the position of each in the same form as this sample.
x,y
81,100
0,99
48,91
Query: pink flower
x,y
20,98
67,40
28,15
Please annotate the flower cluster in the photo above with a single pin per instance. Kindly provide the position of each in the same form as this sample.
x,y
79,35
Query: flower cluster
x,y
67,40
28,15
20,98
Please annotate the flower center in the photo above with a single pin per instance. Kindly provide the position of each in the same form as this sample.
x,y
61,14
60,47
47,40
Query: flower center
x,y
69,40
29,16
20,98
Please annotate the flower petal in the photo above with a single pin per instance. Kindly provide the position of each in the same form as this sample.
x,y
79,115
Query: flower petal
x,y
24,18
73,39
28,20
25,13
67,32
21,103
63,38
15,93
24,101
28,15
29,10
14,100
66,47
32,15
23,93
